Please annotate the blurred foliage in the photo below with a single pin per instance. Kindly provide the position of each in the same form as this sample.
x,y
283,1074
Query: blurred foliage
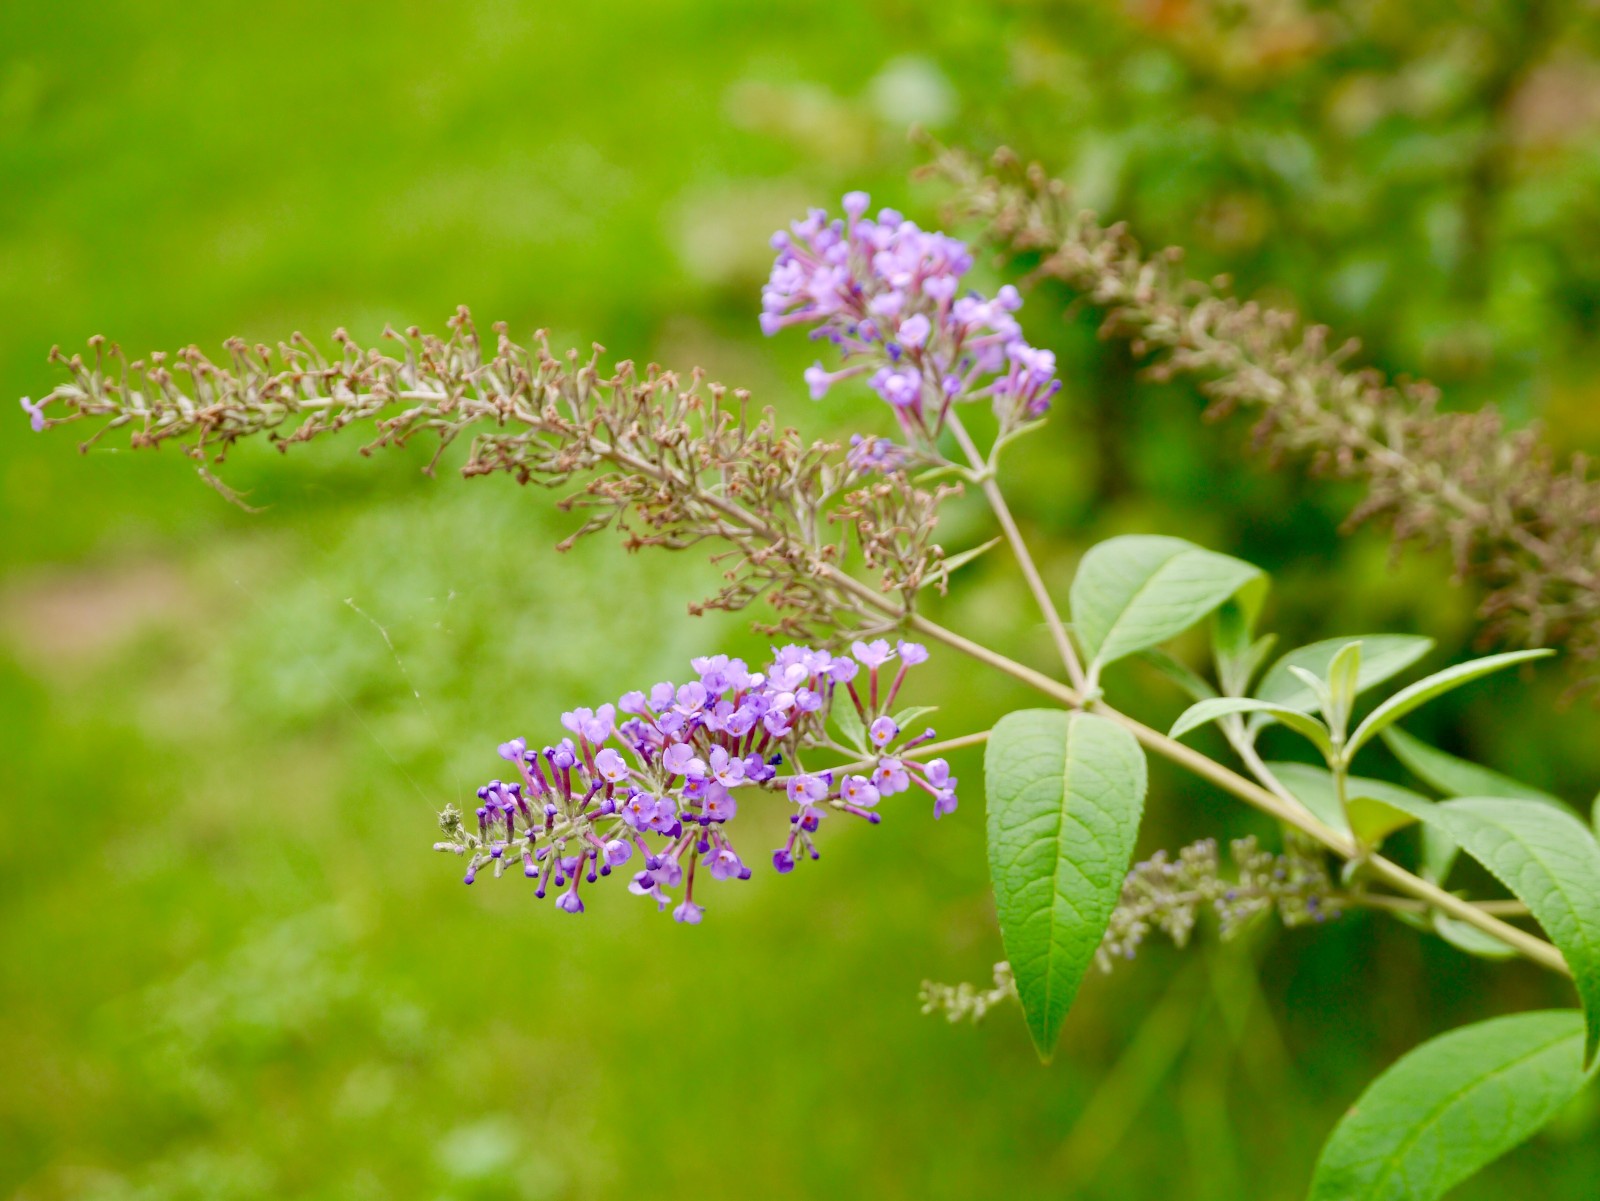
x,y
235,971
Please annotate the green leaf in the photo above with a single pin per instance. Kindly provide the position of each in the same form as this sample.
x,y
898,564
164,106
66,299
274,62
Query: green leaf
x,y
1469,938
1137,591
1065,794
1377,807
1382,656
1343,684
941,574
1439,853
1179,673
1199,714
1551,861
1453,1105
1458,777
905,717
1234,646
1429,687
848,722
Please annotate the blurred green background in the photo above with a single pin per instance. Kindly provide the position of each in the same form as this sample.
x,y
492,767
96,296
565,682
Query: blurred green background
x,y
232,969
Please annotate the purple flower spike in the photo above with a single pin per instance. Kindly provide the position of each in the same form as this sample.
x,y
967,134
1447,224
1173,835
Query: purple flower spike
x,y
885,293
667,781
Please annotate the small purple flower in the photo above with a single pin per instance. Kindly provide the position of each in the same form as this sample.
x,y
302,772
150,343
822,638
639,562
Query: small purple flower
x,y
912,653
900,386
843,669
943,803
872,654
613,768
914,331
644,885
806,790
882,732
859,791
726,864
719,805
593,724
679,759
890,777
688,913
691,698
35,412
639,810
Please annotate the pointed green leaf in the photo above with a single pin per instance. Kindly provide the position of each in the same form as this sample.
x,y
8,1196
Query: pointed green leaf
x,y
1199,714
1457,777
1179,673
942,572
1342,686
1317,687
1377,807
1469,938
1234,645
848,722
1551,861
1452,1106
1439,854
1382,656
1424,690
1138,591
1065,794
905,717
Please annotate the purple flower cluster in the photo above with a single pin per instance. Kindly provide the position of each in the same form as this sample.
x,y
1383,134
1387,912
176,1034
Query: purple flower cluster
x,y
888,294
656,774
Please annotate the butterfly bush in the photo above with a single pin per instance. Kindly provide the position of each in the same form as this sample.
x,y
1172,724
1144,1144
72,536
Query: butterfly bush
x,y
888,295
657,772
838,542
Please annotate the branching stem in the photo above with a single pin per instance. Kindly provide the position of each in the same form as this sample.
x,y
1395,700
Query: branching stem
x,y
1030,571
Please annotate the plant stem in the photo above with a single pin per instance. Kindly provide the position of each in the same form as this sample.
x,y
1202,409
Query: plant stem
x,y
1378,900
922,752
1030,571
1251,758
